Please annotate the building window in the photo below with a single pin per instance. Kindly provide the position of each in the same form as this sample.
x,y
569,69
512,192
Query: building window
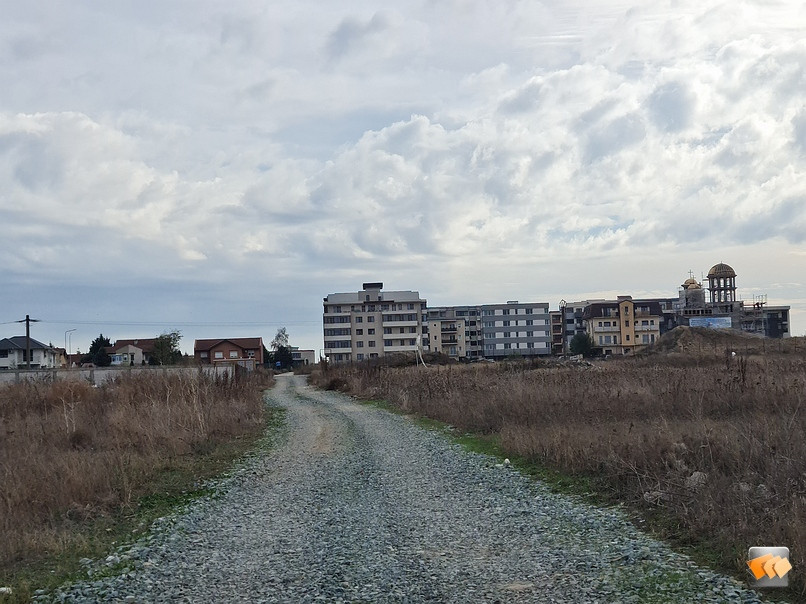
x,y
387,330
219,355
371,331
412,342
204,354
506,323
626,323
371,343
411,307
359,344
359,319
370,319
359,332
359,357
387,342
505,311
627,337
507,346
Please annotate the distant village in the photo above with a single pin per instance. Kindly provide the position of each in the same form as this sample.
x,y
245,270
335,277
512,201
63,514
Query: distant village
x,y
372,323
244,352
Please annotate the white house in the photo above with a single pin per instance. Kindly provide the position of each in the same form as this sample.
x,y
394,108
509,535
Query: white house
x,y
13,354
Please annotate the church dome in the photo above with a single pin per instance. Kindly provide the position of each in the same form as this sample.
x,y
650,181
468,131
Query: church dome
x,y
721,270
691,284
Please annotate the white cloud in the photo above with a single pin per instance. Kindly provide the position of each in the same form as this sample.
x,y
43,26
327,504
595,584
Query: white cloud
x,y
446,144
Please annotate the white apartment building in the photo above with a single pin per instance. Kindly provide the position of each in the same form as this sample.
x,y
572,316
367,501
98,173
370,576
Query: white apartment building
x,y
371,323
515,329
490,330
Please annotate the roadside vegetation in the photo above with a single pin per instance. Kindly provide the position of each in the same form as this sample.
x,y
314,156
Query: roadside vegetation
x,y
85,467
704,444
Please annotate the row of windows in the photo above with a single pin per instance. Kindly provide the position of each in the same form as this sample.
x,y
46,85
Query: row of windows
x,y
392,318
509,311
388,330
645,339
515,334
341,331
516,346
329,308
233,354
626,323
371,343
509,323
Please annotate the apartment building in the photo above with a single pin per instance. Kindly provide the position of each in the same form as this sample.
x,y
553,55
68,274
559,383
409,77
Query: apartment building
x,y
372,323
623,326
515,328
454,331
573,313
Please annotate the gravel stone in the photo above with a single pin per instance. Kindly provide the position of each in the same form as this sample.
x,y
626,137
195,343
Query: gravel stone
x,y
360,505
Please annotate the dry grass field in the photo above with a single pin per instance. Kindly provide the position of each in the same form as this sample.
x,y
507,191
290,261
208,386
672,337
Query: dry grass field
x,y
708,445
73,455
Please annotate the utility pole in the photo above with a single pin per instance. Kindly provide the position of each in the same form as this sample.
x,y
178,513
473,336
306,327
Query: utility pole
x,y
28,320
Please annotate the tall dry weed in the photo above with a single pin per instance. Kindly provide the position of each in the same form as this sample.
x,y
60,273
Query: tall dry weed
x,y
70,451
715,443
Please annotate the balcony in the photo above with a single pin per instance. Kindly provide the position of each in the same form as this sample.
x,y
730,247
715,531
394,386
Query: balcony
x,y
606,329
448,328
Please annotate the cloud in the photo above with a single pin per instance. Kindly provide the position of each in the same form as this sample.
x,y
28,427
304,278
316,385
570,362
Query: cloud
x,y
446,144
352,33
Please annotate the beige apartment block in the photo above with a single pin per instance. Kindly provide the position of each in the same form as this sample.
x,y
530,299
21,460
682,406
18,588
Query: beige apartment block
x,y
372,323
623,326
454,331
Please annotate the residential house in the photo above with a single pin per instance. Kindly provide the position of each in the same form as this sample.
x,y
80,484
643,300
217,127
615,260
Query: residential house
x,y
14,354
131,352
302,357
229,350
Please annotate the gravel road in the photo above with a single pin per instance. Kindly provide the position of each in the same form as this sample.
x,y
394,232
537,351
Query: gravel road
x,y
355,504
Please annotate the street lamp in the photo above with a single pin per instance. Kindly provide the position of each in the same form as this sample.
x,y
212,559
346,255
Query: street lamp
x,y
66,345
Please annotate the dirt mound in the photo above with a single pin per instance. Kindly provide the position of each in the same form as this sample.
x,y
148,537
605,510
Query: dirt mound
x,y
704,340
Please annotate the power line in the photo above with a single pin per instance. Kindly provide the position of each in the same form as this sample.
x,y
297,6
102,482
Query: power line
x,y
175,323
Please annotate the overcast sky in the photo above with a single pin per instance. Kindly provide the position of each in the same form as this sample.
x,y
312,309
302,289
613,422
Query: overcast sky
x,y
219,167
